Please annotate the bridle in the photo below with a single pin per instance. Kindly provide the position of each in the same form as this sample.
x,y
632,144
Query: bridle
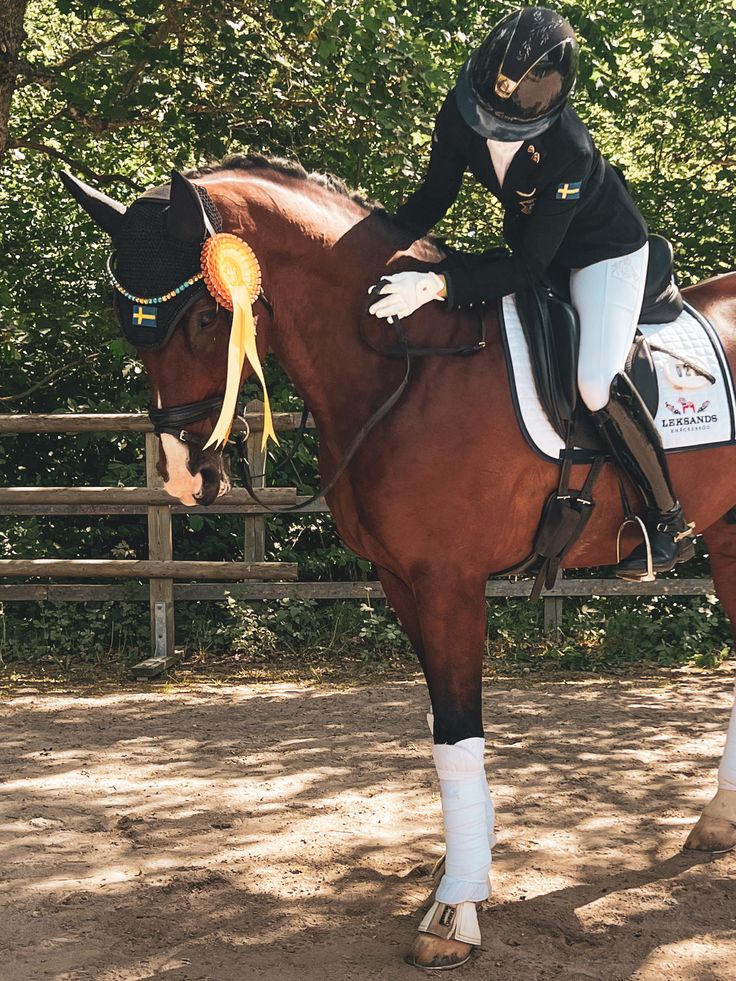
x,y
174,419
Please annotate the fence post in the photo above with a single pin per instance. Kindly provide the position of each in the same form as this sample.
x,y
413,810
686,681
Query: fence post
x,y
553,617
161,591
255,525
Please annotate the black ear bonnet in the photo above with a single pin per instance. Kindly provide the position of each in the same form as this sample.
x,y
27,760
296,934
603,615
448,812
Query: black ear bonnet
x,y
155,266
149,262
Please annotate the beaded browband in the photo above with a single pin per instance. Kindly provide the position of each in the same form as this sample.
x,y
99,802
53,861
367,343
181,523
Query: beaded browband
x,y
151,300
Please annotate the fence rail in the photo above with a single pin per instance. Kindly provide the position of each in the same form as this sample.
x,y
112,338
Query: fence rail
x,y
152,501
252,579
495,589
126,422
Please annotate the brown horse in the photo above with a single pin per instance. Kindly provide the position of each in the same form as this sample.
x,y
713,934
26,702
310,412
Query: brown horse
x,y
445,491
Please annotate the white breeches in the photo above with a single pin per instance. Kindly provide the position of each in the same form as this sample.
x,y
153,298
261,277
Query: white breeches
x,y
607,297
727,769
467,811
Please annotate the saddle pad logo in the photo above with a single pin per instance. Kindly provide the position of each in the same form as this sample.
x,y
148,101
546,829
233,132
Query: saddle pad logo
x,y
691,412
687,405
569,192
693,383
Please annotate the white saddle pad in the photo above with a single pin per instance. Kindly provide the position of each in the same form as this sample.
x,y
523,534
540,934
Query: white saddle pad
x,y
692,411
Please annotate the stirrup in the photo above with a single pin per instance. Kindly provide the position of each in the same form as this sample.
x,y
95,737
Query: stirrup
x,y
452,922
650,574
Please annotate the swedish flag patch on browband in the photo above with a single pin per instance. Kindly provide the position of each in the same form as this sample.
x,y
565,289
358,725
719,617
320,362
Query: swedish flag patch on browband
x,y
569,192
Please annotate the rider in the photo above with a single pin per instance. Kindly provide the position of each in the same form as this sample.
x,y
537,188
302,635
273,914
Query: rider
x,y
566,209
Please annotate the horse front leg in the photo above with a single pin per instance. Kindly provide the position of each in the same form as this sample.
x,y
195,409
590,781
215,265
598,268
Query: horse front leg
x,y
401,599
716,828
452,614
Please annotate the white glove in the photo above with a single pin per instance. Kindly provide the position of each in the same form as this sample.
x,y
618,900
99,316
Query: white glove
x,y
403,293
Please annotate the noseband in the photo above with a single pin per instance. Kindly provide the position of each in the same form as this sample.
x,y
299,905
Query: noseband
x,y
174,419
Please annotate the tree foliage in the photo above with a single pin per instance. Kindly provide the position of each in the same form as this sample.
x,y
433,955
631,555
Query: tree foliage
x,y
123,92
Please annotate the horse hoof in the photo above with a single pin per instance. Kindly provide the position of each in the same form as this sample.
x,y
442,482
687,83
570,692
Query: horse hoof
x,y
435,954
712,835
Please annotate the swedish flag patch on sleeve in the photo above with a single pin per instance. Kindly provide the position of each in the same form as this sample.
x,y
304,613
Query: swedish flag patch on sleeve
x,y
569,192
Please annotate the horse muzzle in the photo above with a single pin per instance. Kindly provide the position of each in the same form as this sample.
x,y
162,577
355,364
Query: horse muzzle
x,y
214,481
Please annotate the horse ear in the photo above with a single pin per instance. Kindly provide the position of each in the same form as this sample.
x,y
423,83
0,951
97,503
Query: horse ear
x,y
184,216
104,210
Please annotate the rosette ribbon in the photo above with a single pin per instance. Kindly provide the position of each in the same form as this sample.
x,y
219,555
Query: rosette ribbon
x,y
233,277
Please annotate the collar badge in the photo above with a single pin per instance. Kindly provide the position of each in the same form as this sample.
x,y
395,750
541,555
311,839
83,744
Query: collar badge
x,y
527,200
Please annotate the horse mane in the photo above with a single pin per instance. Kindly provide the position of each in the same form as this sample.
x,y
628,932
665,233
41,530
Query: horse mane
x,y
330,182
290,168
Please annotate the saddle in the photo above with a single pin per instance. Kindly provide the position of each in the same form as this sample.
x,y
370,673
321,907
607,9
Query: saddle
x,y
552,332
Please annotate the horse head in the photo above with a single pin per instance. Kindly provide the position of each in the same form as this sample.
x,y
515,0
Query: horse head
x,y
319,248
182,333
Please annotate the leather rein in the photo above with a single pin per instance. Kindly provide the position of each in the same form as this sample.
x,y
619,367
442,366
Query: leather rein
x,y
174,419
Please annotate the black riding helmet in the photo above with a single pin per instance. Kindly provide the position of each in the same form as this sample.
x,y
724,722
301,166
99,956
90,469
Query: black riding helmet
x,y
515,85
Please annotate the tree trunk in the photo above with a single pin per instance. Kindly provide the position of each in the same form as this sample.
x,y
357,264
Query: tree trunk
x,y
12,36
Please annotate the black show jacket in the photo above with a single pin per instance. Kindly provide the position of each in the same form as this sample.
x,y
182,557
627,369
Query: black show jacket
x,y
565,207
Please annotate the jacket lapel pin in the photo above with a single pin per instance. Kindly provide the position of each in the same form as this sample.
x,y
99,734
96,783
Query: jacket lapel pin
x,y
526,200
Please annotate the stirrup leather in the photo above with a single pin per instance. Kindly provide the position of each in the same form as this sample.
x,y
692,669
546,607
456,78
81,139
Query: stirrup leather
x,y
452,922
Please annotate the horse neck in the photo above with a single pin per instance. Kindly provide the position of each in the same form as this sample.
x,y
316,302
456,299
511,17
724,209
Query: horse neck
x,y
318,263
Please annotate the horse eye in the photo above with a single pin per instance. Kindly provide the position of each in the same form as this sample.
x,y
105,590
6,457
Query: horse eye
x,y
205,318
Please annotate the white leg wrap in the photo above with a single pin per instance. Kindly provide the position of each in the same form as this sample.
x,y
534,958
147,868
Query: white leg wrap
x,y
727,769
490,811
466,810
490,815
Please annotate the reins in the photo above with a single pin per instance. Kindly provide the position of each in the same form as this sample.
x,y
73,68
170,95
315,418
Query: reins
x,y
173,420
380,413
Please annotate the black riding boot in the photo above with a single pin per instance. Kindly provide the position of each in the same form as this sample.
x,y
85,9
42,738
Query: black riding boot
x,y
628,429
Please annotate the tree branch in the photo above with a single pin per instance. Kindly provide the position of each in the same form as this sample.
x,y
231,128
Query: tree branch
x,y
31,72
92,175
97,124
156,33
47,378
42,124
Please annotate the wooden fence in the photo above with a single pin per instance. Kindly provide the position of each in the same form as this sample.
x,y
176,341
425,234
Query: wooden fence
x,y
252,579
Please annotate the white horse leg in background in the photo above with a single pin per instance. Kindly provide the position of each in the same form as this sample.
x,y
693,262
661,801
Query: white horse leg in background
x,y
716,829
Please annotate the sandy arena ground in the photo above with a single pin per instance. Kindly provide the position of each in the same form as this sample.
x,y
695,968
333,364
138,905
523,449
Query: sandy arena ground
x,y
284,832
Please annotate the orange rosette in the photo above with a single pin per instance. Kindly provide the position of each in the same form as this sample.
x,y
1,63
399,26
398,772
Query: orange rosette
x,y
233,276
228,261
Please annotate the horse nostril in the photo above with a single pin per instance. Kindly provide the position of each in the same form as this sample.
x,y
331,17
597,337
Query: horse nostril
x,y
210,484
